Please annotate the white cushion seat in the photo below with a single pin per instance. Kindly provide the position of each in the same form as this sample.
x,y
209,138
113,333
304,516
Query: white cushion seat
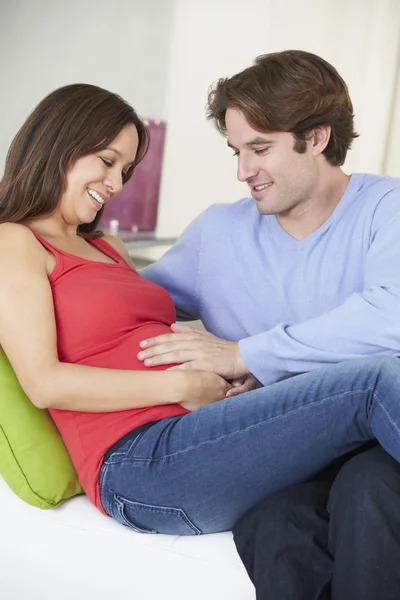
x,y
74,552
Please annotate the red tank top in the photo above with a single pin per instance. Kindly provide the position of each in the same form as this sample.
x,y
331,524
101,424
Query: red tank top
x,y
102,312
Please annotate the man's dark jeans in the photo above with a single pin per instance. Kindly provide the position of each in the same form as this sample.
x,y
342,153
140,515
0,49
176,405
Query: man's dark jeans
x,y
336,537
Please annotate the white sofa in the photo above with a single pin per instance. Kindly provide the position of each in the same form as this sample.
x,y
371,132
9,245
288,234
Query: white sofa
x,y
75,553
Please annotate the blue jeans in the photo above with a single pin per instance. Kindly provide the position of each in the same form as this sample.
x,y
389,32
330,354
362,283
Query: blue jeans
x,y
200,472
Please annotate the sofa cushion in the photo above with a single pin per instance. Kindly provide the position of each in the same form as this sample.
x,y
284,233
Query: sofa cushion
x,y
33,459
76,552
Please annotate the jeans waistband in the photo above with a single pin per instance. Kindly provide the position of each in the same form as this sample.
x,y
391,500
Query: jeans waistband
x,y
130,436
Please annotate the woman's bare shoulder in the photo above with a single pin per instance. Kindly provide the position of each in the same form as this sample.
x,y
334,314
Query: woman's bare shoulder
x,y
18,241
14,233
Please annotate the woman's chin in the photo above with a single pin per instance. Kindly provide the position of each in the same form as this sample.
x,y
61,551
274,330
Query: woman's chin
x,y
86,219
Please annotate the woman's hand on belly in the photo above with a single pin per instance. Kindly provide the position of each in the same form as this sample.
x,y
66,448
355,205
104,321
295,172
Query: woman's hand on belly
x,y
204,388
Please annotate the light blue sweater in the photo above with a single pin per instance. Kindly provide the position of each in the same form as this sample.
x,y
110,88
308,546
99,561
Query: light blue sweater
x,y
294,305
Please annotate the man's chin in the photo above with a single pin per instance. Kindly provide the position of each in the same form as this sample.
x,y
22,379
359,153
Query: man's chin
x,y
265,208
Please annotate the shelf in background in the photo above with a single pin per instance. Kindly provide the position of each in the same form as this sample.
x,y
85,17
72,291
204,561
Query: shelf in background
x,y
145,252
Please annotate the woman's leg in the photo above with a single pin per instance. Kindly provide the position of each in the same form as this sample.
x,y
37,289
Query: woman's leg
x,y
199,473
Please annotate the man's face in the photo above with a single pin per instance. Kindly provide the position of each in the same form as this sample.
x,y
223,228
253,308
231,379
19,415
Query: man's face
x,y
280,179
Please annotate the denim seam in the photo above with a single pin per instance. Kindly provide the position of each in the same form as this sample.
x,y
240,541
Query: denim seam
x,y
117,453
153,460
163,510
149,507
385,412
103,473
102,476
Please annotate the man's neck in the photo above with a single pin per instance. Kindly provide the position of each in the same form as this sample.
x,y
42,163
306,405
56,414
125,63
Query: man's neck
x,y
309,215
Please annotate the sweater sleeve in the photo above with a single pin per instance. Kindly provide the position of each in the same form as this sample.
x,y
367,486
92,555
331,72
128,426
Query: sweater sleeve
x,y
366,324
178,271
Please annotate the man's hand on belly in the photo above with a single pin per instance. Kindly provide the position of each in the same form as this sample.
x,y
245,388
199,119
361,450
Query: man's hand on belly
x,y
196,350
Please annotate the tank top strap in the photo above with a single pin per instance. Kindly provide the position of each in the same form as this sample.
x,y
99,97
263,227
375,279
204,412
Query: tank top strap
x,y
65,259
46,244
102,245
58,254
99,243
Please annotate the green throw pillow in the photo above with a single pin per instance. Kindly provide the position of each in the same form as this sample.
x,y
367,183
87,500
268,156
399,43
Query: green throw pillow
x,y
33,459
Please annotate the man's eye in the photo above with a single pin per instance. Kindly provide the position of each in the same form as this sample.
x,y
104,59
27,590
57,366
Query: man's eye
x,y
261,151
107,162
236,153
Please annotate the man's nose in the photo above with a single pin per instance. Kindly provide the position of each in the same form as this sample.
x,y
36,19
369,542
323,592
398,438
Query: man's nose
x,y
246,168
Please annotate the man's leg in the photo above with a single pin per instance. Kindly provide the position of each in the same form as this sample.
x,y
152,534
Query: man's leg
x,y
283,541
364,537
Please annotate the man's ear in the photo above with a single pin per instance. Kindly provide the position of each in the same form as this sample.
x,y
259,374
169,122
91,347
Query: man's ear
x,y
319,138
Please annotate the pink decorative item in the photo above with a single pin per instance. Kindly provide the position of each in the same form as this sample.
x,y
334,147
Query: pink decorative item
x,y
134,209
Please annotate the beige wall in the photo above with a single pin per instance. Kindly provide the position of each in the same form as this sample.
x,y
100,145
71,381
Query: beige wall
x,y
121,45
218,38
392,155
162,55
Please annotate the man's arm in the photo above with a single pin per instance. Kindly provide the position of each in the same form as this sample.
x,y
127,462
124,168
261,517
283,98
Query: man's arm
x,y
178,272
366,324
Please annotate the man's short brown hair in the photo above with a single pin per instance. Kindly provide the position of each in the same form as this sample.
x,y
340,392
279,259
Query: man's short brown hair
x,y
292,91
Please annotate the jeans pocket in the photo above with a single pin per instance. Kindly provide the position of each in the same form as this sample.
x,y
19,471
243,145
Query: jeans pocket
x,y
147,518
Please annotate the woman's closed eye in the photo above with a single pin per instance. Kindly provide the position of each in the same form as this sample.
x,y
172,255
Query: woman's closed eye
x,y
109,163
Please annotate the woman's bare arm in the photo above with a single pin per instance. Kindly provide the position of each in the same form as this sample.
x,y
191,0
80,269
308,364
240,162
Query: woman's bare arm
x,y
28,336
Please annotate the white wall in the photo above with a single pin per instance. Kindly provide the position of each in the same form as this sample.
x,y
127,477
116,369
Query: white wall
x,y
44,44
210,39
392,154
361,39
220,37
162,55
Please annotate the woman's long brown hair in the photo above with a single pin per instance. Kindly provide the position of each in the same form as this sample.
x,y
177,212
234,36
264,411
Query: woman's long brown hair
x,y
71,122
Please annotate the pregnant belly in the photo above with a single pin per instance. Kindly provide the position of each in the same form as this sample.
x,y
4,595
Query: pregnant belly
x,y
121,353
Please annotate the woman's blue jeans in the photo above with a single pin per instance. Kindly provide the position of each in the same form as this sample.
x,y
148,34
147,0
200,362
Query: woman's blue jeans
x,y
200,472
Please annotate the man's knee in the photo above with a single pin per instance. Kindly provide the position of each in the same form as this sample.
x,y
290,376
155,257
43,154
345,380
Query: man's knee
x,y
265,515
297,507
366,480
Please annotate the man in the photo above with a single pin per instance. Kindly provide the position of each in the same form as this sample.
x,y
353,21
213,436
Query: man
x,y
304,274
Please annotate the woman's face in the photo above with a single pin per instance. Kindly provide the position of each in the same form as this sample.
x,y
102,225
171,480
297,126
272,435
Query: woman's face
x,y
95,178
